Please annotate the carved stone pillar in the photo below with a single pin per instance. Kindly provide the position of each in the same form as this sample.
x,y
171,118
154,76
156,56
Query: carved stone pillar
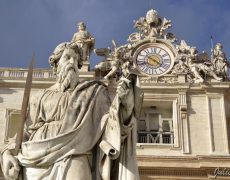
x,y
184,121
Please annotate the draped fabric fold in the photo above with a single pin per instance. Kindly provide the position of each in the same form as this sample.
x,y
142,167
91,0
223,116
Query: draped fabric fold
x,y
86,119
82,124
118,162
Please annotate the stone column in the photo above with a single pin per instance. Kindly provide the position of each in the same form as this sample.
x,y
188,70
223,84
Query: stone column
x,y
184,121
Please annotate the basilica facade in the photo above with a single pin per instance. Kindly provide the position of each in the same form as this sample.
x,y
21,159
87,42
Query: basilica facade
x,y
183,130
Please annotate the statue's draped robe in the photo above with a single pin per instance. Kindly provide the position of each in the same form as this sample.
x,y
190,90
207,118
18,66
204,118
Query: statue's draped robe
x,y
62,125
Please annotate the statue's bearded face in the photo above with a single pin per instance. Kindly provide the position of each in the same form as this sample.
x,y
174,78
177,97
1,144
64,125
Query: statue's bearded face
x,y
67,70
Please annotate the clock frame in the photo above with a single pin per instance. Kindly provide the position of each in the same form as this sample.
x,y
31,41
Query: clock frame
x,y
154,59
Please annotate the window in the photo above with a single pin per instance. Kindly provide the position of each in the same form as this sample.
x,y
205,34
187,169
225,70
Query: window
x,y
156,123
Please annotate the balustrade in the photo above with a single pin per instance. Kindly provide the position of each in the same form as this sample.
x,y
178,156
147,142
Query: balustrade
x,y
155,137
22,73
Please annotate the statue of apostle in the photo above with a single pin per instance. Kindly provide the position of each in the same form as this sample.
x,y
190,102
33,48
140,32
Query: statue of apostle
x,y
74,131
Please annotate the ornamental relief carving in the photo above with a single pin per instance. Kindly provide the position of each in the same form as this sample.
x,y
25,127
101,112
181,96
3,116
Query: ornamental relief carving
x,y
154,52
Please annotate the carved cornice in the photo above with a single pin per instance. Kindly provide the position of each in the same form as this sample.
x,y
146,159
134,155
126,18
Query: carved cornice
x,y
171,167
184,161
180,172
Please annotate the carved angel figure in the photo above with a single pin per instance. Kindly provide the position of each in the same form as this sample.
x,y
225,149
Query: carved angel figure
x,y
116,61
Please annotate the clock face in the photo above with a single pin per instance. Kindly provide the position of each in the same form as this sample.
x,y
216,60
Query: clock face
x,y
154,59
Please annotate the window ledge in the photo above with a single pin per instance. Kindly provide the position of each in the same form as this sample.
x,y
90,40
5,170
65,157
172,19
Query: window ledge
x,y
155,145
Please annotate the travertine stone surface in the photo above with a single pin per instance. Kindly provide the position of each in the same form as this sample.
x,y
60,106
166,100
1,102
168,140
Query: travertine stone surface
x,y
218,125
198,123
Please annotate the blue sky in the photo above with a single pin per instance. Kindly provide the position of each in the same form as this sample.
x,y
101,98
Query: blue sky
x,y
28,26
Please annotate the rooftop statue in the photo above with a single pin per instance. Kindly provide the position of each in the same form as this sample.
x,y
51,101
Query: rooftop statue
x,y
84,40
196,65
220,61
74,131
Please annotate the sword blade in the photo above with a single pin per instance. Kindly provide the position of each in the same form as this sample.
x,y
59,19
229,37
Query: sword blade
x,y
25,102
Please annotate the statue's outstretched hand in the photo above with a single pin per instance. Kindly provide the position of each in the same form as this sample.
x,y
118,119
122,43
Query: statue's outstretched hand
x,y
10,166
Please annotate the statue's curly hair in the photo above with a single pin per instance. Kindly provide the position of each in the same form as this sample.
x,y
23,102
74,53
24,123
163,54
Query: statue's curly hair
x,y
58,51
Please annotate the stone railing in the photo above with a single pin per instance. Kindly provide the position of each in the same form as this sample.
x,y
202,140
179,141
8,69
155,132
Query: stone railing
x,y
39,74
13,73
155,137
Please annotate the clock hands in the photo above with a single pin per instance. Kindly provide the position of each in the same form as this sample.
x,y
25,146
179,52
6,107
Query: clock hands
x,y
152,59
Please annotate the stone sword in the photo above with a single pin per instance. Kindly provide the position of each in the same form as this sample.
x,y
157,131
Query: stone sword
x,y
25,102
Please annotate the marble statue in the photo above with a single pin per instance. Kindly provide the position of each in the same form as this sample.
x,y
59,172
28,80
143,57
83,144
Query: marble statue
x,y
180,67
151,26
117,60
74,131
193,63
219,60
83,39
58,51
152,30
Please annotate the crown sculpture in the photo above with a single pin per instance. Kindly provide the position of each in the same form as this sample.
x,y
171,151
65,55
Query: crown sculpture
x,y
156,56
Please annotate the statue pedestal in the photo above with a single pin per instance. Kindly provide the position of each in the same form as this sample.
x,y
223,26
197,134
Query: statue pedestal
x,y
85,67
181,78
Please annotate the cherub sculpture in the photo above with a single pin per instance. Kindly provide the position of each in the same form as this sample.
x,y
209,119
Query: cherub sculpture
x,y
116,61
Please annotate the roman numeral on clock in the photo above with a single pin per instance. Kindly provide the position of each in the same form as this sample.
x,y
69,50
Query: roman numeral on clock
x,y
140,59
156,50
147,51
165,66
166,61
144,69
154,71
159,51
164,55
161,70
141,63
